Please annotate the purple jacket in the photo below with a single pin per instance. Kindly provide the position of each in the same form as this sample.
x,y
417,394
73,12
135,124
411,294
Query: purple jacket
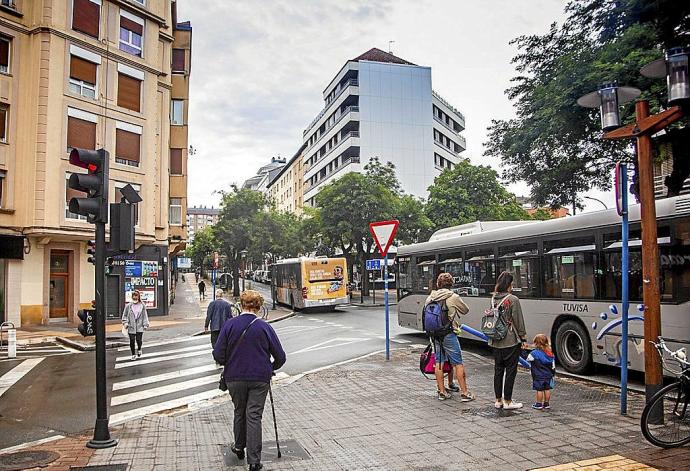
x,y
251,360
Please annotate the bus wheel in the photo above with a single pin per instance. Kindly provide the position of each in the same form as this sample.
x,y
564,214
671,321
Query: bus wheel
x,y
573,347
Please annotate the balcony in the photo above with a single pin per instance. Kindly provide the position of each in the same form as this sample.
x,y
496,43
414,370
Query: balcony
x,y
351,134
457,113
349,109
354,159
341,88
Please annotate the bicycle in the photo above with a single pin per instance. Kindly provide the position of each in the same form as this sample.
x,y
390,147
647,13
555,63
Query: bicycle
x,y
237,310
672,429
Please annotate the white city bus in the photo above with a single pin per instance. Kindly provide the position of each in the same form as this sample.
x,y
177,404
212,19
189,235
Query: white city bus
x,y
567,272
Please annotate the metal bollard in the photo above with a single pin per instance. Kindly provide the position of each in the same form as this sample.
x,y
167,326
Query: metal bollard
x,y
11,338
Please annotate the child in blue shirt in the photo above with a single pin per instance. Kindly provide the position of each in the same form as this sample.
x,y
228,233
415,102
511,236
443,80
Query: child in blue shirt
x,y
543,370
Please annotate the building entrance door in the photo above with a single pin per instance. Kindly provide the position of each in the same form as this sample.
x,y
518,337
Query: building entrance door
x,y
59,285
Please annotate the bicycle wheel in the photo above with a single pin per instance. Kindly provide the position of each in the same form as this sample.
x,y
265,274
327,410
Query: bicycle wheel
x,y
673,430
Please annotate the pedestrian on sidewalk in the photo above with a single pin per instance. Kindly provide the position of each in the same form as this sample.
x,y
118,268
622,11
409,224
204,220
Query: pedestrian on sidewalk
x,y
136,321
217,313
543,369
202,290
507,350
448,347
245,346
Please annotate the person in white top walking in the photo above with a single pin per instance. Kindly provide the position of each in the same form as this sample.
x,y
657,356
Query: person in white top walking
x,y
136,321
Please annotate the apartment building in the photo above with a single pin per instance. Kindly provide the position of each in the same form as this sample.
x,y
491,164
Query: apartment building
x,y
286,189
89,74
379,105
265,175
201,218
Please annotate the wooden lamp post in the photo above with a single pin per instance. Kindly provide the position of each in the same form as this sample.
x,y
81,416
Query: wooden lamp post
x,y
675,68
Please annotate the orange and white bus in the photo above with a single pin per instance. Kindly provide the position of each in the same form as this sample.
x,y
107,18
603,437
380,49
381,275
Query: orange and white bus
x,y
310,282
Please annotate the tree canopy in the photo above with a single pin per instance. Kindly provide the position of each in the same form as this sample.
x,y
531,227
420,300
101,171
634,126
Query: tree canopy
x,y
468,193
553,144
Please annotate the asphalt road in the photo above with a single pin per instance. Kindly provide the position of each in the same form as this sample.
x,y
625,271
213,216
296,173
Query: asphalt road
x,y
57,395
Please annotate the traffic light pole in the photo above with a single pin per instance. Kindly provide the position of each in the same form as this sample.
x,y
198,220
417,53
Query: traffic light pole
x,y
101,433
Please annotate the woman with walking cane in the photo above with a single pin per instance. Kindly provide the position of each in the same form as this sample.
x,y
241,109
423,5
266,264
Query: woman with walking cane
x,y
245,346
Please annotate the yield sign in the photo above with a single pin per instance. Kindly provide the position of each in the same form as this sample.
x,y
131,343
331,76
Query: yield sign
x,y
384,232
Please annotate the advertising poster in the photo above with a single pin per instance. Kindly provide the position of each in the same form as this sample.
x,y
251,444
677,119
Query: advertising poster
x,y
326,278
142,276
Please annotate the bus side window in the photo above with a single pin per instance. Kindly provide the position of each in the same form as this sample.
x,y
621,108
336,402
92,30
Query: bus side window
x,y
479,273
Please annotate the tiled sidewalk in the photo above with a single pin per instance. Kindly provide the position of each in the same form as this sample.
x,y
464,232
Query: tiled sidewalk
x,y
373,414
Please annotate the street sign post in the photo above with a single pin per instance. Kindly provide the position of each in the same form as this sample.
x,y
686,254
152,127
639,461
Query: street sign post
x,y
384,233
215,267
622,206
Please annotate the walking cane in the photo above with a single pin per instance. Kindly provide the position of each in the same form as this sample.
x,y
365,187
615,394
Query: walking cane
x,y
275,425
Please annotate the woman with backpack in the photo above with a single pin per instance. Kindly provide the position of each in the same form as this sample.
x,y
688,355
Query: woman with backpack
x,y
507,349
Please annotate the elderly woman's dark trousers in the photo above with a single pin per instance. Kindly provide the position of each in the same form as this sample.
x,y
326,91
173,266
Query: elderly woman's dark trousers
x,y
249,398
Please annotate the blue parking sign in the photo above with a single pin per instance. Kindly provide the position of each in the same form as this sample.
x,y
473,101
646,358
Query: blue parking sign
x,y
374,264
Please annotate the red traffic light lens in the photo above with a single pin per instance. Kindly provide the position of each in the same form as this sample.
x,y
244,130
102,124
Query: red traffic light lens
x,y
75,159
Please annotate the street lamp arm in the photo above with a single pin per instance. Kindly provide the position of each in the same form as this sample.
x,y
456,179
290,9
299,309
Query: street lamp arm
x,y
596,199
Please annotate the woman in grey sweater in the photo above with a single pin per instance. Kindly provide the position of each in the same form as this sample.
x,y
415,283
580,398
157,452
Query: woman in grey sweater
x,y
136,321
507,350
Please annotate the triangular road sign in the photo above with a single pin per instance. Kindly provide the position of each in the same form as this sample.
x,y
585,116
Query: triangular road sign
x,y
384,233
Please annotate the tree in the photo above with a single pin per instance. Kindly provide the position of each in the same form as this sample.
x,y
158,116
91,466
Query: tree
x,y
553,144
201,248
238,226
468,193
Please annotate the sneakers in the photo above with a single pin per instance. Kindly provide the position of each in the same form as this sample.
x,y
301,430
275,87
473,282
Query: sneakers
x,y
443,396
538,406
134,357
498,404
237,451
138,353
512,405
547,405
467,397
453,387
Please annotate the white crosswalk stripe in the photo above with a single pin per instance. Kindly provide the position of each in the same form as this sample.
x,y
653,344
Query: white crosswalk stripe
x,y
35,351
18,372
162,390
177,356
163,377
167,352
162,406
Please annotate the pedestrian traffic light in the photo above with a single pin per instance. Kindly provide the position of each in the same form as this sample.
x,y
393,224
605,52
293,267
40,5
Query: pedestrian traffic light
x,y
94,184
91,250
86,328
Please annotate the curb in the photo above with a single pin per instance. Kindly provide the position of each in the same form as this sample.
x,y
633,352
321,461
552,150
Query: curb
x,y
372,305
83,347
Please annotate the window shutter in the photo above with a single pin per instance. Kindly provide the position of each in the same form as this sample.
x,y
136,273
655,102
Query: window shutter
x,y
178,60
4,52
128,92
131,25
81,69
81,134
127,145
176,161
86,17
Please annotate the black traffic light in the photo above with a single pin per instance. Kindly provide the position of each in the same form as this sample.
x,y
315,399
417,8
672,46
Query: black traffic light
x,y
94,184
86,328
91,250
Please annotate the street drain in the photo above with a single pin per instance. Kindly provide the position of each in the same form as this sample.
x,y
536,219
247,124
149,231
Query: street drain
x,y
289,449
26,459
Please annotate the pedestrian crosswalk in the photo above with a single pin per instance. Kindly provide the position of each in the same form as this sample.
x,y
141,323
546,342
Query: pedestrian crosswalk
x,y
35,351
169,375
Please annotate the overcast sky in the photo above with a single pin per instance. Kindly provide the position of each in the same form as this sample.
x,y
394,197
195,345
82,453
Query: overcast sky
x,y
259,69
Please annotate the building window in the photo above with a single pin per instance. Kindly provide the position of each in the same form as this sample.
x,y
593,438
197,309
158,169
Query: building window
x,y
69,194
178,61
3,177
128,92
82,77
127,144
86,16
4,55
175,161
131,33
3,123
177,112
175,211
118,197
80,133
